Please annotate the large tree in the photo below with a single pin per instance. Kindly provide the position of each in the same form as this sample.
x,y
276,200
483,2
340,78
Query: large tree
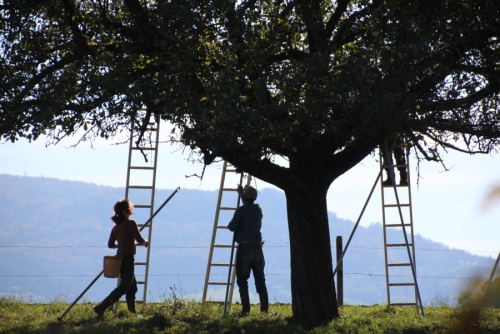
x,y
319,83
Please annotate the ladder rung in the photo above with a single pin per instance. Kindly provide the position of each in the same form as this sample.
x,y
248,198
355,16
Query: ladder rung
x,y
218,283
398,264
402,284
221,226
396,225
142,206
230,189
144,148
147,129
399,245
389,166
223,245
140,187
397,185
141,282
403,304
230,170
395,205
141,225
220,264
142,167
140,263
227,208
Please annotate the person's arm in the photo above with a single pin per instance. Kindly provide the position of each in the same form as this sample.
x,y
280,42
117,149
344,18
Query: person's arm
x,y
138,236
235,222
241,192
112,240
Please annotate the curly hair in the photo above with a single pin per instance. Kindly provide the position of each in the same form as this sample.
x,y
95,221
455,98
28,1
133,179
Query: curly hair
x,y
120,206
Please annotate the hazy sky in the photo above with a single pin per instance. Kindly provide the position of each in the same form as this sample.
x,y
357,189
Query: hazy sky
x,y
446,205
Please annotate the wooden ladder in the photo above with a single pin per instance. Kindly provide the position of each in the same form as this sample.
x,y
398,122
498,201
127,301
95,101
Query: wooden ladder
x,y
221,242
140,190
400,267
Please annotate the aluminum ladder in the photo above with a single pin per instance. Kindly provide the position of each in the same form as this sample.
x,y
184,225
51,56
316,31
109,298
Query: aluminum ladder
x,y
400,266
221,244
140,190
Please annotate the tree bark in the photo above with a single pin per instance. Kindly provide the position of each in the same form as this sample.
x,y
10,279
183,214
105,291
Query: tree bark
x,y
313,288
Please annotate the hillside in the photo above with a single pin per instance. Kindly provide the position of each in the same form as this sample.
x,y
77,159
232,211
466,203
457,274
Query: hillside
x,y
54,235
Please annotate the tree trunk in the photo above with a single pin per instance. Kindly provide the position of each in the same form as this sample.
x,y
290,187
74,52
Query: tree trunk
x,y
313,288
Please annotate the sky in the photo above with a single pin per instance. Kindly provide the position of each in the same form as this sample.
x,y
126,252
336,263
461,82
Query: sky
x,y
447,205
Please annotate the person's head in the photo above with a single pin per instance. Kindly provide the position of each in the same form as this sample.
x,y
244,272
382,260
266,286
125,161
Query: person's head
x,y
250,193
123,209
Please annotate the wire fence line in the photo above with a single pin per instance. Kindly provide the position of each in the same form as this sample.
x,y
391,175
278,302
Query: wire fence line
x,y
267,246
271,274
206,247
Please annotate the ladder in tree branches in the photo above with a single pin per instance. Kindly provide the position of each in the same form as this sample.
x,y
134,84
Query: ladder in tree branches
x,y
140,190
400,267
219,259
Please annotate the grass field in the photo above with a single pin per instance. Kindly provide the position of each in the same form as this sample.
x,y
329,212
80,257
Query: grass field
x,y
180,316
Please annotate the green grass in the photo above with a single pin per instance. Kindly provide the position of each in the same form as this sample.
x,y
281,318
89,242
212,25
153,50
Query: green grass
x,y
181,316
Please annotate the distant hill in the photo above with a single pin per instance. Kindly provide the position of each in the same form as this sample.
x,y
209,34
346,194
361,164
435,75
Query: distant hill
x,y
54,233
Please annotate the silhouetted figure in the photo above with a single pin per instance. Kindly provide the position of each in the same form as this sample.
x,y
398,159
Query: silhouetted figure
x,y
123,236
246,224
399,156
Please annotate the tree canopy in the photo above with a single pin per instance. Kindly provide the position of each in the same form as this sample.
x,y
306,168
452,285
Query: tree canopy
x,y
320,83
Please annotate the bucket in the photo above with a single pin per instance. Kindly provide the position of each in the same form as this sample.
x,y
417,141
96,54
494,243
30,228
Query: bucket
x,y
112,265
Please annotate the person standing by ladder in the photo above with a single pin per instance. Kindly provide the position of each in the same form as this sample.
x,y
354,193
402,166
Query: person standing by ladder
x,y
246,224
123,236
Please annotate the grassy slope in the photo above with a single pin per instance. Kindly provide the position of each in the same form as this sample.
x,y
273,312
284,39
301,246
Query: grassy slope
x,y
179,316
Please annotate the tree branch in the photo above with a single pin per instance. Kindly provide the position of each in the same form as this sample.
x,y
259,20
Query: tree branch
x,y
335,18
342,36
70,18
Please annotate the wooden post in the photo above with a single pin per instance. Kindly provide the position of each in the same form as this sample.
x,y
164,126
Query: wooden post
x,y
340,273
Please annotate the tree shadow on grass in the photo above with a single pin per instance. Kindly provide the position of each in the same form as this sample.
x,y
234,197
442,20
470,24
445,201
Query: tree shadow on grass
x,y
160,322
231,324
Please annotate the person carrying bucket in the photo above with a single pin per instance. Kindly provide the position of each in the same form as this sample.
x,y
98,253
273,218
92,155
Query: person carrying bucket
x,y
123,236
246,224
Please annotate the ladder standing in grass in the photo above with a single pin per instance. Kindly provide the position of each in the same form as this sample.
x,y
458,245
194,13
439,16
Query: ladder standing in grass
x,y
246,224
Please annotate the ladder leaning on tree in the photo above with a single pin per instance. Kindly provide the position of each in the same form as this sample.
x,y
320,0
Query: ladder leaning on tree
x,y
153,133
140,190
221,241
397,215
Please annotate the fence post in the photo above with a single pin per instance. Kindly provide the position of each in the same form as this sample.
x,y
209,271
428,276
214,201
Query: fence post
x,y
340,273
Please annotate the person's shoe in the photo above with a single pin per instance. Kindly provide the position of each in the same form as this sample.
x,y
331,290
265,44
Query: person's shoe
x,y
264,302
403,182
101,308
131,305
245,303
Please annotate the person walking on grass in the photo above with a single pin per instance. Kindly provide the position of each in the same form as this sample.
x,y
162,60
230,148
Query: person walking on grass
x,y
123,236
246,224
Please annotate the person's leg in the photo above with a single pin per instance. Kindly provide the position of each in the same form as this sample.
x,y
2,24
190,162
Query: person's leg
x,y
260,279
386,165
243,267
399,155
130,296
126,279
